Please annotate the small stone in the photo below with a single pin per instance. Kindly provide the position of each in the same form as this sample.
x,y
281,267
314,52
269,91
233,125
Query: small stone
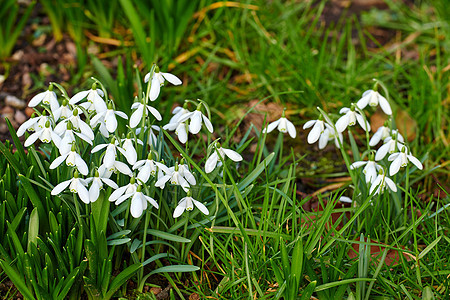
x,y
15,102
155,290
20,117
29,111
3,127
8,112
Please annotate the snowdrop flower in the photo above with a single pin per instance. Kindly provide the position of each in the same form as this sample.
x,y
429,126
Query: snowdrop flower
x,y
33,124
316,131
284,125
109,117
172,175
345,199
97,184
330,134
137,115
48,97
77,123
181,130
110,153
383,133
158,80
130,152
124,192
351,115
117,167
63,111
196,119
72,159
184,171
187,204
211,162
400,159
139,202
76,185
100,119
94,96
146,167
370,170
380,183
68,138
178,112
373,98
46,135
390,146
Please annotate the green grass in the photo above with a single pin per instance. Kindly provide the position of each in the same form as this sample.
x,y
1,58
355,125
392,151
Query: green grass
x,y
250,248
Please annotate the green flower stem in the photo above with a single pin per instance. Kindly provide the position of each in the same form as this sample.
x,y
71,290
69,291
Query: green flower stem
x,y
144,240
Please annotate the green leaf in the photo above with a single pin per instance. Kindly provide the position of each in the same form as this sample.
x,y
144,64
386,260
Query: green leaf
x,y
118,241
18,167
35,199
17,280
427,293
256,172
309,290
17,142
120,279
118,234
33,228
285,260
297,262
175,269
168,236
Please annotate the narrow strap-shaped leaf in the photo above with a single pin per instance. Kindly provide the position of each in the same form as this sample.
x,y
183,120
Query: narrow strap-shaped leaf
x,y
33,228
16,141
18,281
36,200
309,290
19,168
122,278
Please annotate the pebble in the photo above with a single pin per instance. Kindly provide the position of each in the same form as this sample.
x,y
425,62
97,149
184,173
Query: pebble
x,y
8,112
15,102
20,117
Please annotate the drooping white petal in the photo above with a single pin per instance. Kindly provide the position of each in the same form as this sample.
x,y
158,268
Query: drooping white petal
x,y
151,201
395,166
117,193
415,161
172,78
357,164
342,123
382,151
181,133
78,96
391,184
362,103
233,155
98,147
110,183
315,132
364,124
32,138
181,207
110,121
309,124
211,162
154,112
136,116
201,207
208,123
61,187
122,168
137,207
154,89
196,122
291,129
81,164
94,191
384,104
27,124
37,99
272,126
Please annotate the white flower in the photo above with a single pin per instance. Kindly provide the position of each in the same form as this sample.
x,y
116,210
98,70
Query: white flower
x,y
390,146
196,121
174,175
283,125
351,115
117,167
130,151
94,97
373,98
158,80
76,185
345,199
33,124
110,153
211,162
97,184
180,130
330,134
139,202
72,159
68,138
400,159
383,133
46,135
48,97
178,112
187,203
100,119
124,192
370,170
63,111
77,123
151,137
136,117
146,168
109,117
316,131
380,183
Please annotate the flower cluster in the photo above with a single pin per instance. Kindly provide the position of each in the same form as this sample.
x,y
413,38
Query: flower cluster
x,y
374,169
84,130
